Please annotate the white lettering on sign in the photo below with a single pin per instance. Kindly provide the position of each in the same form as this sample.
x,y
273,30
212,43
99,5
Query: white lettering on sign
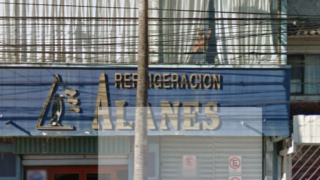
x,y
170,114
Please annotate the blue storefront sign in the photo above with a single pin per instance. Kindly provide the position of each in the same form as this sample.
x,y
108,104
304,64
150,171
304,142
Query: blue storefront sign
x,y
66,101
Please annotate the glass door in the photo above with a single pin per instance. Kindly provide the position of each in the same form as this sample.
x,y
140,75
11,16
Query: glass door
x,y
122,174
107,173
98,176
64,173
95,173
67,176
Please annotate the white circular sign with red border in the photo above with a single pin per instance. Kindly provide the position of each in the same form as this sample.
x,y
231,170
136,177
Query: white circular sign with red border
x,y
189,164
189,161
235,178
235,164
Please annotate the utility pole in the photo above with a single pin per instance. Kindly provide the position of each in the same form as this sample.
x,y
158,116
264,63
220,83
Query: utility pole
x,y
141,141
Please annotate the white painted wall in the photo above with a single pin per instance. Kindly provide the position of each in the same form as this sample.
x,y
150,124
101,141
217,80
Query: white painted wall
x,y
306,129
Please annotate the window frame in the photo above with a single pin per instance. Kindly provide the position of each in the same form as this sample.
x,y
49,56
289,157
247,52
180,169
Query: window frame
x,y
8,148
302,69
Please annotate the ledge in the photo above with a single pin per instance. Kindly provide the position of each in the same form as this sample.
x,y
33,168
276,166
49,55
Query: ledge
x,y
304,98
303,36
205,66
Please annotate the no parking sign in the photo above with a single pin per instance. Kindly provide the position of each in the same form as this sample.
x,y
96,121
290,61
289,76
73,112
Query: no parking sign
x,y
189,165
235,164
235,178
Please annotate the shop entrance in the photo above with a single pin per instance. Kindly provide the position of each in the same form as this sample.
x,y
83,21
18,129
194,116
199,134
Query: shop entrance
x,y
77,173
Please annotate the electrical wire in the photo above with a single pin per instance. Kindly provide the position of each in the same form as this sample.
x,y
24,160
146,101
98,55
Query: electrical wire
x,y
69,46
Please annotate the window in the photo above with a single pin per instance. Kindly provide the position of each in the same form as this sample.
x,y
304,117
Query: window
x,y
211,32
297,71
9,169
305,74
312,74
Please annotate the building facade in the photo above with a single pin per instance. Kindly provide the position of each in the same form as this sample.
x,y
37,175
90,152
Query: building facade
x,y
299,152
218,97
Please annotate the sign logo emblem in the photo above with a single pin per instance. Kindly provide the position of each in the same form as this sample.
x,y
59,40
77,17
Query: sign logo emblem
x,y
57,103
57,107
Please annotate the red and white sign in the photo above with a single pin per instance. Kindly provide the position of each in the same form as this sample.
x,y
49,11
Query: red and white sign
x,y
189,161
235,178
235,164
189,165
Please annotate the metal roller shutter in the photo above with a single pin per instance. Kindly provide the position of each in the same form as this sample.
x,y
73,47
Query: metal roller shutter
x,y
250,150
212,156
173,149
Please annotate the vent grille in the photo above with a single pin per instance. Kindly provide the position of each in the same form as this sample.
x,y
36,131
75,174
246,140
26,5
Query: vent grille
x,y
71,145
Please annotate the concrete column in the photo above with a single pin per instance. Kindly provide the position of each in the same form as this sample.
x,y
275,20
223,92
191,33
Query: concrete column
x,y
268,159
289,166
284,168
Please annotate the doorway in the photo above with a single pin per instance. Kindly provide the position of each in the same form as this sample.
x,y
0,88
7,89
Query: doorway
x,y
77,173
